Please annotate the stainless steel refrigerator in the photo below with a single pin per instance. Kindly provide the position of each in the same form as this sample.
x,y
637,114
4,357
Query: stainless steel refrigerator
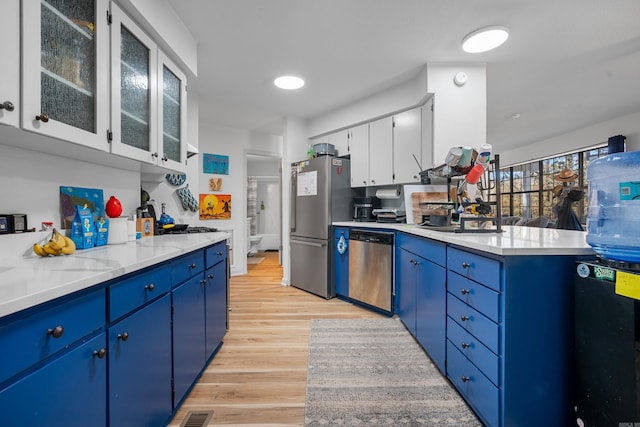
x,y
320,194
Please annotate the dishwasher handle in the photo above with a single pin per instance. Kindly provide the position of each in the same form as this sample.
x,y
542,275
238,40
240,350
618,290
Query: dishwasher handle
x,y
377,237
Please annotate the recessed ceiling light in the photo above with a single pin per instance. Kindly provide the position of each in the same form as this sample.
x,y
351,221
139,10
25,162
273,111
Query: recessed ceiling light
x,y
485,39
289,82
515,116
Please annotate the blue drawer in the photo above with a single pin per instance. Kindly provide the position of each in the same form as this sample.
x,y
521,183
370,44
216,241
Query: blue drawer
x,y
474,350
136,290
186,266
33,338
216,253
478,391
429,249
483,299
481,327
475,267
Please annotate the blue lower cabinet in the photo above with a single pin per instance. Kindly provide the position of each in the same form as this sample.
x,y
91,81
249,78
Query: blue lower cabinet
x,y
140,367
189,355
70,391
341,260
216,307
406,288
431,310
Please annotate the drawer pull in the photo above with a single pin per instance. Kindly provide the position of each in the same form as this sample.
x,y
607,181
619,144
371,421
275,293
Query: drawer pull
x,y
149,287
123,336
464,345
209,276
100,353
219,253
465,379
466,265
464,318
192,266
464,291
203,282
56,332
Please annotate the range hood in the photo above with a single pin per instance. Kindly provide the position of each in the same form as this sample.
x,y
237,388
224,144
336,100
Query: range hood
x,y
191,150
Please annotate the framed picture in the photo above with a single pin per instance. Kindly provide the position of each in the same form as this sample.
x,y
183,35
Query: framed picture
x,y
215,163
215,206
215,184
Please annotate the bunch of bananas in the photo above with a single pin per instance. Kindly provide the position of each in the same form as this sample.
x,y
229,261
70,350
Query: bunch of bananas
x,y
57,244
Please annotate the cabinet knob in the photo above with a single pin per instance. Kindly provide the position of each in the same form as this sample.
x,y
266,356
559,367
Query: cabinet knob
x,y
464,291
464,378
100,353
466,265
149,287
464,318
209,276
203,282
56,332
192,266
464,345
7,105
154,154
164,158
364,182
373,181
123,336
219,253
43,118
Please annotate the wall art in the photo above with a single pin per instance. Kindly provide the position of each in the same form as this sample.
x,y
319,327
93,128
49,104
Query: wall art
x,y
70,197
215,184
215,206
215,163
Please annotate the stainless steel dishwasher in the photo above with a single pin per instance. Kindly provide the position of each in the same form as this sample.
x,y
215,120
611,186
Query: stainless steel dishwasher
x,y
371,268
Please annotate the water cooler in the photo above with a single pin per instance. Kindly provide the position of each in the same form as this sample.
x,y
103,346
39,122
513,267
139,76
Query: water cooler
x,y
607,332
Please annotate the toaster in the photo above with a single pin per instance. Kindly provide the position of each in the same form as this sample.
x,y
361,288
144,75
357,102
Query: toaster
x,y
13,223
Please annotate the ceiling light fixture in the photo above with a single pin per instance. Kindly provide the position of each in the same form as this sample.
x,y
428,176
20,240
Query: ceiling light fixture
x,y
289,82
485,39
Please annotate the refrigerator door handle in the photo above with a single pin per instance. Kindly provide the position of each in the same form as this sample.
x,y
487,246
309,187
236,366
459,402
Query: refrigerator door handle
x,y
304,242
292,198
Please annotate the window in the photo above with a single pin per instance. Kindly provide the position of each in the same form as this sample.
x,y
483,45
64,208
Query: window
x,y
527,189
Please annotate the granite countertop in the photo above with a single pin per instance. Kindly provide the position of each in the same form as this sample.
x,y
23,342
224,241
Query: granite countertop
x,y
27,280
514,240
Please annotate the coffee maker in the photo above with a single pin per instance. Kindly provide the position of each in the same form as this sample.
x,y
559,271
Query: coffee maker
x,y
363,208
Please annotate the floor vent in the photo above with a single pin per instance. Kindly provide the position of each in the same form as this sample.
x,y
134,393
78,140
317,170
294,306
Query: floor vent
x,y
197,419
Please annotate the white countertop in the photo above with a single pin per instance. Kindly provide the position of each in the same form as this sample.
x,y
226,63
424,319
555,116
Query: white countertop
x,y
27,280
514,240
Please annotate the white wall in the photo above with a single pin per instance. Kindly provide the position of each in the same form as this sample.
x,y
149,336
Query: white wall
x,y
31,183
599,133
215,139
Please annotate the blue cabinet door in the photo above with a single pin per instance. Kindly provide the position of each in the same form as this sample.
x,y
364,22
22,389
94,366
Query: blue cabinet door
x,y
216,307
431,309
188,335
406,288
70,391
140,367
341,260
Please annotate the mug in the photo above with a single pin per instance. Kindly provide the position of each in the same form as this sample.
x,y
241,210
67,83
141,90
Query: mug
x,y
453,156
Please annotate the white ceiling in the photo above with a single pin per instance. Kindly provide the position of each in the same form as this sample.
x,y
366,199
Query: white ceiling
x,y
568,63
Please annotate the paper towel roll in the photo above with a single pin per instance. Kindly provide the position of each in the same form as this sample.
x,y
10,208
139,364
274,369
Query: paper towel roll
x,y
388,193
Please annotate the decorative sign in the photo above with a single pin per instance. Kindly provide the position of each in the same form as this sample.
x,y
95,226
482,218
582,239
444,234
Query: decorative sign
x,y
215,184
215,163
215,206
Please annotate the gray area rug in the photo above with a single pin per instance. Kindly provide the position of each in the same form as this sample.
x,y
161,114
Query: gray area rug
x,y
371,372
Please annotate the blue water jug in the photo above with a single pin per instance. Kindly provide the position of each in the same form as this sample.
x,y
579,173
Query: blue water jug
x,y
613,221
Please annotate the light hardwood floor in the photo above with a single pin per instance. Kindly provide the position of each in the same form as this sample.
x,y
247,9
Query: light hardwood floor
x,y
259,376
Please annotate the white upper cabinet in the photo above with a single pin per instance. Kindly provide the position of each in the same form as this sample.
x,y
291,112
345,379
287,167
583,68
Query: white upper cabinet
x,y
407,146
427,135
340,141
134,89
381,152
172,115
359,149
10,69
65,49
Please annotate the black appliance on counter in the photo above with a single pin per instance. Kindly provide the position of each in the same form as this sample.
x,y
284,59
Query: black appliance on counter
x,y
363,208
13,223
607,332
185,229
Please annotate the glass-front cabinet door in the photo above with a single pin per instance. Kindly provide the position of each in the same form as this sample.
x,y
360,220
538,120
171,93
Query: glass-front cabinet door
x,y
10,69
134,90
65,70
172,117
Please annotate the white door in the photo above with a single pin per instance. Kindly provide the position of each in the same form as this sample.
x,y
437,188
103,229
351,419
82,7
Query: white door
x,y
10,70
407,146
